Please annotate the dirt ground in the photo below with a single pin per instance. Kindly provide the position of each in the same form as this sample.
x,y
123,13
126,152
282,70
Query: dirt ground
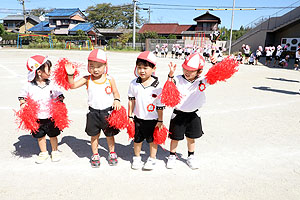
x,y
250,149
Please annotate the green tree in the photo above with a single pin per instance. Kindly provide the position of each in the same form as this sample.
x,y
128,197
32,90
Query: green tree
x,y
80,32
171,36
124,38
106,15
2,30
40,11
143,36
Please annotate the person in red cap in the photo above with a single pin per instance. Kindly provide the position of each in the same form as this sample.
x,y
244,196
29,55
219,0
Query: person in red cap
x,y
145,108
103,97
185,120
42,91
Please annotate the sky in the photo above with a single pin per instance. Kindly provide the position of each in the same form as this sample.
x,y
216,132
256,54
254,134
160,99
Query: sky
x,y
182,13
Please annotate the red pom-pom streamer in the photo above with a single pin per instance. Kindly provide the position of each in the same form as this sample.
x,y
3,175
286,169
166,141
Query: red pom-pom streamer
x,y
59,114
170,96
27,116
222,70
60,75
118,118
131,130
160,136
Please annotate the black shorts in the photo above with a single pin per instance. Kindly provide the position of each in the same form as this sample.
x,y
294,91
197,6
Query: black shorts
x,y
268,57
257,57
173,52
277,58
47,127
247,55
144,130
185,123
96,120
297,60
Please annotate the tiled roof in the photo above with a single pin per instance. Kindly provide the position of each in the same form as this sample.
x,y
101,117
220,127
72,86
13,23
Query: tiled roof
x,y
62,12
165,28
21,18
83,26
41,27
161,28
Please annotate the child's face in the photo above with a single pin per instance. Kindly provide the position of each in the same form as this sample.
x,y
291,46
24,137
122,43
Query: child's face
x,y
145,72
44,74
96,68
191,75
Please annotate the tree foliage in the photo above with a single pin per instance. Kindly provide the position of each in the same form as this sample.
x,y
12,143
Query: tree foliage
x,y
225,33
40,11
106,15
2,30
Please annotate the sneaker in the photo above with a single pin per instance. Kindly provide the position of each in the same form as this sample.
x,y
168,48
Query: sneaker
x,y
55,156
95,160
191,162
42,157
150,164
171,162
137,162
112,159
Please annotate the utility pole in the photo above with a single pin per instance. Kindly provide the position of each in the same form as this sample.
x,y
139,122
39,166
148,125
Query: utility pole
x,y
149,14
134,21
230,40
24,13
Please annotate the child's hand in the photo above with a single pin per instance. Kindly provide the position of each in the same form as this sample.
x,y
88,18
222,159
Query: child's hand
x,y
160,125
130,120
116,105
172,69
70,69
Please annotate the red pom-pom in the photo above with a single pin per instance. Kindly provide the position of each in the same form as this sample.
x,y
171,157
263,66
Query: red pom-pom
x,y
27,116
59,114
60,75
118,118
222,70
160,136
131,130
170,96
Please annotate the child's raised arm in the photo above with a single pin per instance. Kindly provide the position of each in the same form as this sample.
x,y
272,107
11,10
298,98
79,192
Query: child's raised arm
x,y
70,69
172,69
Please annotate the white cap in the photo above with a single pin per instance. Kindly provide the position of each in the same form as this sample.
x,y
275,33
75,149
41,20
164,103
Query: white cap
x,y
194,62
33,63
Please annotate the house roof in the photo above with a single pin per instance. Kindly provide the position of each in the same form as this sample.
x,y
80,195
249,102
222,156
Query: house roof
x,y
160,28
84,26
63,12
166,28
207,17
42,27
114,30
21,18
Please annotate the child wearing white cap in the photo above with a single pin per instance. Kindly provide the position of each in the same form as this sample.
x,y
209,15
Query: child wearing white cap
x,y
103,97
145,108
41,90
185,120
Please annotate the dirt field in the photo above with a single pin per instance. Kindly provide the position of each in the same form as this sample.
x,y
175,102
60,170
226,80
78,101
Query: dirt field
x,y
250,149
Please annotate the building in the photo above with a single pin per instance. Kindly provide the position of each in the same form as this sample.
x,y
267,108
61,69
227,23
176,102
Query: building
x,y
206,25
15,23
282,30
67,22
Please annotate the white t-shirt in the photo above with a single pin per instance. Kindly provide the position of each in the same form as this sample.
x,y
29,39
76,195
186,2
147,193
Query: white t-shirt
x,y
278,53
100,95
42,96
192,98
269,53
147,99
298,55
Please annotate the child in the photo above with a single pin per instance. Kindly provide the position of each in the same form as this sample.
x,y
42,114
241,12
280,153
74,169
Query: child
x,y
251,59
284,62
185,120
278,55
240,58
269,54
258,54
297,59
147,109
103,97
42,91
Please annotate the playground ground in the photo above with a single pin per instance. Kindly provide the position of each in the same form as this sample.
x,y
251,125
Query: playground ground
x,y
250,149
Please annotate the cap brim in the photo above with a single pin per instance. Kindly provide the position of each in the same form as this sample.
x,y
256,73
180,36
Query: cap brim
x,y
31,75
189,68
